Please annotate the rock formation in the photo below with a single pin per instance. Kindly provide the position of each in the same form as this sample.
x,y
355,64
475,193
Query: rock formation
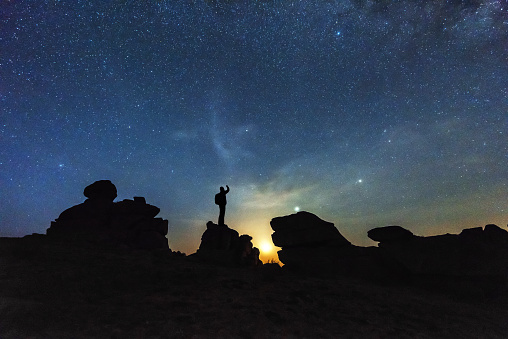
x,y
223,245
98,219
312,245
305,229
475,252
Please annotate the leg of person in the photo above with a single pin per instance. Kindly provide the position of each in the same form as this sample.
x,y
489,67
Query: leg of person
x,y
222,211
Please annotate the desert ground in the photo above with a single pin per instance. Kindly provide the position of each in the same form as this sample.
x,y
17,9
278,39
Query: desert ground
x,y
51,289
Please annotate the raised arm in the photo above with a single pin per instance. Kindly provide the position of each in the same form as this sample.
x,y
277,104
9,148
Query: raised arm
x,y
227,189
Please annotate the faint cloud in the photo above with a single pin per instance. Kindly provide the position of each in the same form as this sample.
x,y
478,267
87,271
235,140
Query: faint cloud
x,y
184,135
230,141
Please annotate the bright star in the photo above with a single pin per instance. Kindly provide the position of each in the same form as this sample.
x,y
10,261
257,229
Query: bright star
x,y
338,33
297,209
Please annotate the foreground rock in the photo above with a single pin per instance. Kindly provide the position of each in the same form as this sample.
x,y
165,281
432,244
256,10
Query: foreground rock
x,y
98,219
473,253
223,245
310,244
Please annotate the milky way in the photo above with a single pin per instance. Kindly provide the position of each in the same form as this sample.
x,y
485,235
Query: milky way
x,y
366,113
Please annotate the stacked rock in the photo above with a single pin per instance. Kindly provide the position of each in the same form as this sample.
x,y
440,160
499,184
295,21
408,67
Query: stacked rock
x,y
131,223
223,245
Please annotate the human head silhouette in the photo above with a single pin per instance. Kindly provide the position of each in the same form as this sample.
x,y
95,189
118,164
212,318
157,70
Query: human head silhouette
x,y
222,189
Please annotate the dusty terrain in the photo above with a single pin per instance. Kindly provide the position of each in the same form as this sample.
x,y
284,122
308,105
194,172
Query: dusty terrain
x,y
55,290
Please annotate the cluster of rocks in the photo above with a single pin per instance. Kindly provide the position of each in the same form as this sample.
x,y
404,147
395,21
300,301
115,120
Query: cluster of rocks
x,y
313,245
475,252
223,245
98,219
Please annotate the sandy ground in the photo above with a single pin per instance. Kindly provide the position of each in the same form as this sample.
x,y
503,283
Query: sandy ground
x,y
51,290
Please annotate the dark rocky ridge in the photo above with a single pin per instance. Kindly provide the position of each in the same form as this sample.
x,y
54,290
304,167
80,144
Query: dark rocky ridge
x,y
474,253
314,246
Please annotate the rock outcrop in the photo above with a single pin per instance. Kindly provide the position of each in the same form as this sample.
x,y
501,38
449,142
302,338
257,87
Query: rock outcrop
x,y
315,246
99,219
312,245
223,245
305,229
475,252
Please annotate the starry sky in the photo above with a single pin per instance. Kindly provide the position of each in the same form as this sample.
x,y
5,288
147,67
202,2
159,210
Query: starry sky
x,y
365,112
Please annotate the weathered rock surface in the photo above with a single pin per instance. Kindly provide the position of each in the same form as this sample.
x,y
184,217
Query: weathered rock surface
x,y
223,245
475,252
130,223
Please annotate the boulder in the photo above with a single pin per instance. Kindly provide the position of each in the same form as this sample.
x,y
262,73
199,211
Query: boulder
x,y
218,237
223,245
389,233
305,229
102,189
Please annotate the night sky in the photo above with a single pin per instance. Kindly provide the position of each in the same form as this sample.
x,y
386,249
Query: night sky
x,y
366,113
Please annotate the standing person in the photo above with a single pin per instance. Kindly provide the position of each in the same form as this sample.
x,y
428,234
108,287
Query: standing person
x,y
220,199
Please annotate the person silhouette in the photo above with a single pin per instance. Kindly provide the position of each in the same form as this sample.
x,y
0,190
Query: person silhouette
x,y
220,199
